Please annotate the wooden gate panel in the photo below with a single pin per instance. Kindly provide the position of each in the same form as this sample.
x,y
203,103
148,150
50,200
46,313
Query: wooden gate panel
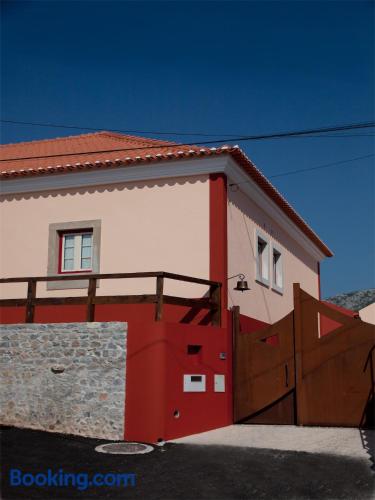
x,y
263,373
318,377
335,376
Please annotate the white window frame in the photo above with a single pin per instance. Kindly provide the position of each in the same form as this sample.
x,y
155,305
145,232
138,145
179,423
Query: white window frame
x,y
77,252
276,286
264,279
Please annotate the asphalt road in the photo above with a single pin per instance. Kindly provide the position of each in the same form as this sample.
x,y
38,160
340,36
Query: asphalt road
x,y
184,471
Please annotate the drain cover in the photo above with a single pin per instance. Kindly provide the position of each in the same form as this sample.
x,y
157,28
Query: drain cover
x,y
124,448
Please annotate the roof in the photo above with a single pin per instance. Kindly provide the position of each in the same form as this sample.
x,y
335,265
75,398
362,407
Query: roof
x,y
114,150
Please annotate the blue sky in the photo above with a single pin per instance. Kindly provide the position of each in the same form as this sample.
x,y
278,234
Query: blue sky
x,y
214,67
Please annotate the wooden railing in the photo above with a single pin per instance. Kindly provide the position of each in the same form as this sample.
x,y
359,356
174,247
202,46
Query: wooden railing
x,y
212,302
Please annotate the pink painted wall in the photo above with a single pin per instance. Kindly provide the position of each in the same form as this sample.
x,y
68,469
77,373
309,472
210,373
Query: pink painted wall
x,y
367,314
261,302
146,226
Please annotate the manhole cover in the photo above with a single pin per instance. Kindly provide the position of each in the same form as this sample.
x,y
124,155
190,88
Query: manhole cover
x,y
124,448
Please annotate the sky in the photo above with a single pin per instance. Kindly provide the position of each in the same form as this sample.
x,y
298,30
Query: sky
x,y
227,68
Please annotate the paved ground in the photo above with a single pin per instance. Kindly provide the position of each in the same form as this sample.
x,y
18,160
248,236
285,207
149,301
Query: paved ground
x,y
331,440
195,471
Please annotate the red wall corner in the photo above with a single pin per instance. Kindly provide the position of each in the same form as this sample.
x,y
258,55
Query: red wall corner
x,y
219,237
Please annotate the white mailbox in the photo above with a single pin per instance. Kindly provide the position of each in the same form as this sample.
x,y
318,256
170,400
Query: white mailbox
x,y
219,383
195,383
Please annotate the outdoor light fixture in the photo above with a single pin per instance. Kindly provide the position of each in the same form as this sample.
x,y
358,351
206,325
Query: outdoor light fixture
x,y
242,285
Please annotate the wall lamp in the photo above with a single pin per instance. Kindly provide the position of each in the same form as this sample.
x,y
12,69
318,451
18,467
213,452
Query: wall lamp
x,y
242,285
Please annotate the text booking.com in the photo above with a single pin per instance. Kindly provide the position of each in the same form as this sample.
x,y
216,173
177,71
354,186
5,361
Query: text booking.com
x,y
80,480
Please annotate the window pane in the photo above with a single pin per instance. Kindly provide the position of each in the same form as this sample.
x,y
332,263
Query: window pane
x,y
69,241
68,264
86,240
86,252
69,253
265,265
277,269
86,263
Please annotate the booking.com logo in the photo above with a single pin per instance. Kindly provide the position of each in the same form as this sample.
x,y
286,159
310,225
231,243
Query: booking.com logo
x,y
81,480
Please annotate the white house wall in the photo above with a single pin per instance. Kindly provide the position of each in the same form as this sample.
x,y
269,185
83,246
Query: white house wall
x,y
261,302
145,226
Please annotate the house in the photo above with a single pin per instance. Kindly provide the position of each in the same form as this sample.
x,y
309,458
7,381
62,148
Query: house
x,y
368,313
129,204
87,224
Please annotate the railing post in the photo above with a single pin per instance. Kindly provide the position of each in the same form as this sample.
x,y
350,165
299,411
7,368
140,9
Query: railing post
x,y
30,305
159,298
91,292
215,298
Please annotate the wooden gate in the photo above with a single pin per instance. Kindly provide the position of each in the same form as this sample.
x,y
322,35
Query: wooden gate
x,y
313,367
264,375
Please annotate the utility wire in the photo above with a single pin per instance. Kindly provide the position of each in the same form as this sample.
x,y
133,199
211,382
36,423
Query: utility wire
x,y
76,127
200,134
276,135
318,167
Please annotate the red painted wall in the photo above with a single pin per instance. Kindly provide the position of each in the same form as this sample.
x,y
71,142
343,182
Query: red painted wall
x,y
251,325
157,360
112,312
328,325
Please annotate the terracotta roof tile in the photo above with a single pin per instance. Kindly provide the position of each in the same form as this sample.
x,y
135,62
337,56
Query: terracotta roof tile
x,y
111,150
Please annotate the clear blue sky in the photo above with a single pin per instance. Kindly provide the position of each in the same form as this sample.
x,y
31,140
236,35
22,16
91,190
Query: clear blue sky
x,y
216,67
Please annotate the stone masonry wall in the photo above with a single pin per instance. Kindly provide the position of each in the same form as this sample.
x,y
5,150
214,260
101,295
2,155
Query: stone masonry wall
x,y
66,377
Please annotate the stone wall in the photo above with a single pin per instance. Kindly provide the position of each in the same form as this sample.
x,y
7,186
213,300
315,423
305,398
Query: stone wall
x,y
65,377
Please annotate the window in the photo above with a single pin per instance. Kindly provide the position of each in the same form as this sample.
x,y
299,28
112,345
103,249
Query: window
x,y
76,252
262,259
277,270
73,247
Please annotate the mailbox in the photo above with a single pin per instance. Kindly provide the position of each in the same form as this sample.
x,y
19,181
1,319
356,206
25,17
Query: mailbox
x,y
195,383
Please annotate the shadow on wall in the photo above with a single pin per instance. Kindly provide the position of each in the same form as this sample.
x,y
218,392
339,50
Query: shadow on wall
x,y
251,254
252,212
105,188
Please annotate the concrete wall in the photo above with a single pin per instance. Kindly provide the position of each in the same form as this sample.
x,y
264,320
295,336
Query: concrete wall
x,y
145,226
261,302
87,398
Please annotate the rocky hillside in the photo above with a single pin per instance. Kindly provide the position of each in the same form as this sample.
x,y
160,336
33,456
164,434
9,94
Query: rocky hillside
x,y
354,300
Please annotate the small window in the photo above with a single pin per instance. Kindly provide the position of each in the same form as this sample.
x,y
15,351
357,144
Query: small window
x,y
76,252
277,270
73,247
262,259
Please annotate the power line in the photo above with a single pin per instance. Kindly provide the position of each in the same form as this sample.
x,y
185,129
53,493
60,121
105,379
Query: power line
x,y
318,167
77,127
200,134
276,135
135,131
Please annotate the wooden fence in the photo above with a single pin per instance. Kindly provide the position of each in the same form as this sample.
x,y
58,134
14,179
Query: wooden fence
x,y
212,302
